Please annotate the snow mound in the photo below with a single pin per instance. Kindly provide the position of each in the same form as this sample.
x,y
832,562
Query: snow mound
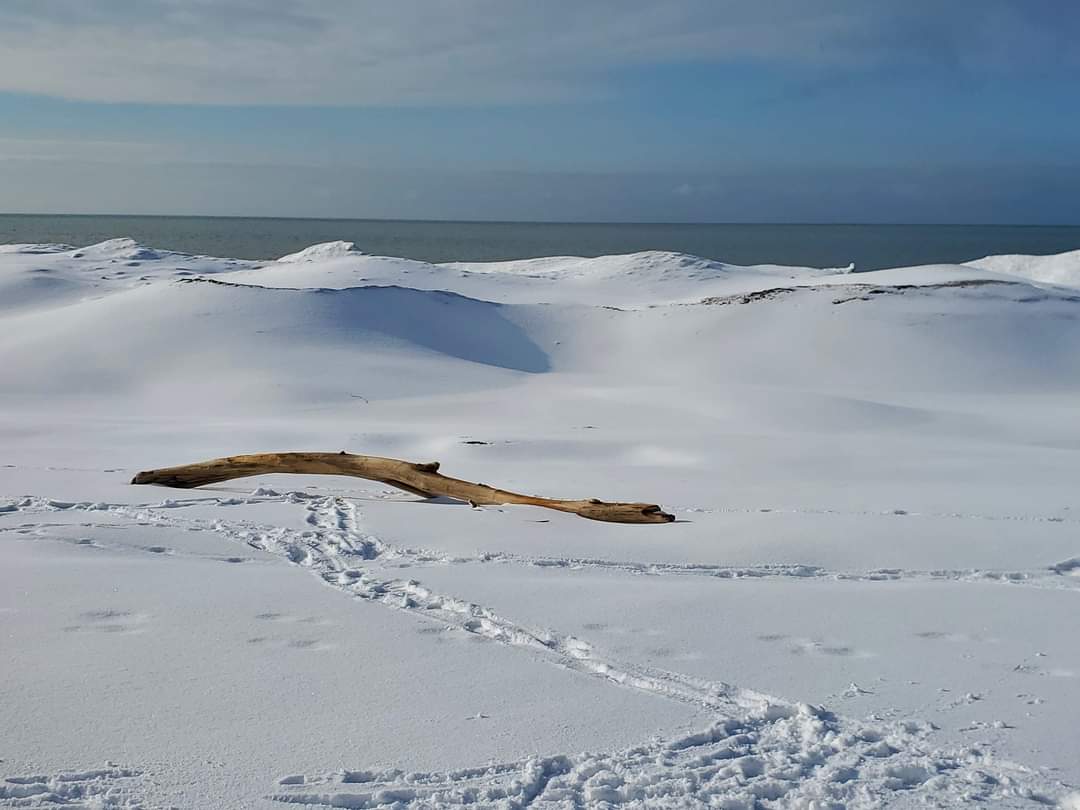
x,y
1058,268
324,250
123,249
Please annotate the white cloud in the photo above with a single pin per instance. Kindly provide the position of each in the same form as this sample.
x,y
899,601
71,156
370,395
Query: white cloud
x,y
344,52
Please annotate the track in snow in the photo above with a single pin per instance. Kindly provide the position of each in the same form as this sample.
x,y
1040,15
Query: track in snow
x,y
759,752
108,788
794,756
1064,574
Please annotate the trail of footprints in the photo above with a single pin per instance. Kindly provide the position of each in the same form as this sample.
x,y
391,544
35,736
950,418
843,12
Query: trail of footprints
x,y
779,756
760,749
1062,574
109,788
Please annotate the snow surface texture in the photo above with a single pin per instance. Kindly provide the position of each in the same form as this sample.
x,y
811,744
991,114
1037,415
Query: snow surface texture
x,y
869,600
1063,268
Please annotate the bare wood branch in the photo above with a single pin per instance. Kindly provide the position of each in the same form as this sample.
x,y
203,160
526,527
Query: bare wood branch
x,y
424,480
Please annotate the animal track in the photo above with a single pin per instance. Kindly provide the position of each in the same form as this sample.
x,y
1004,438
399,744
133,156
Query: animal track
x,y
772,637
292,643
956,638
820,648
108,620
287,618
804,646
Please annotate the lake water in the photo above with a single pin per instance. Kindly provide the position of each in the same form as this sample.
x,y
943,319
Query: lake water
x,y
868,246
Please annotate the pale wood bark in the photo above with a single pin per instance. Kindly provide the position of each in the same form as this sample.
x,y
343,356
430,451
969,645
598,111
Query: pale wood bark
x,y
424,480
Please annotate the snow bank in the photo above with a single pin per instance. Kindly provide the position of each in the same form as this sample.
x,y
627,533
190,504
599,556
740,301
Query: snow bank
x,y
320,252
1061,268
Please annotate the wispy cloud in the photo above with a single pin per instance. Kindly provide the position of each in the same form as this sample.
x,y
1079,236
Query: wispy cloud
x,y
341,52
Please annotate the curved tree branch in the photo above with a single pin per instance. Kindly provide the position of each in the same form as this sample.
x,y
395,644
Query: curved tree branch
x,y
424,480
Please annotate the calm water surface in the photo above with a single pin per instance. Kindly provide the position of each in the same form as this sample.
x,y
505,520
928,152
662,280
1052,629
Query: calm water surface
x,y
868,246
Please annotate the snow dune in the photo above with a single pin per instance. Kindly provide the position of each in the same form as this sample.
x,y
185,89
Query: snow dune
x,y
868,599
1062,268
637,279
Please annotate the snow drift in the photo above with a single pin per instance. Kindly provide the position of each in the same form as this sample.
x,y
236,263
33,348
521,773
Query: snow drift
x,y
1062,268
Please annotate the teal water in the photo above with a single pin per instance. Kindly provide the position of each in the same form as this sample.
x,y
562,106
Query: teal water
x,y
868,246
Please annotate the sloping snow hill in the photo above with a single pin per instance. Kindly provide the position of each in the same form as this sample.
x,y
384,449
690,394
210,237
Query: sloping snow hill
x,y
181,342
1062,268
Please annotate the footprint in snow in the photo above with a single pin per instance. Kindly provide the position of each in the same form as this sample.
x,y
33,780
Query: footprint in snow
x,y
108,787
272,616
313,644
108,620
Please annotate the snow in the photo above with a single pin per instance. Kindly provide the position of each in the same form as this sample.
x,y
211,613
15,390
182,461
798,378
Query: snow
x,y
321,252
630,280
127,249
868,598
1062,268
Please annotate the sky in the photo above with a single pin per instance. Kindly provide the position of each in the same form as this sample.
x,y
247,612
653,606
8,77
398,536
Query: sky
x,y
961,111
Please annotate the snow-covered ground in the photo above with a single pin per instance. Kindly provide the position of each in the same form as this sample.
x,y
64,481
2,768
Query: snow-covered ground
x,y
870,597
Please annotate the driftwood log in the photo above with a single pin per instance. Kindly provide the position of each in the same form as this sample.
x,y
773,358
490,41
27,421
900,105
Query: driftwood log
x,y
424,480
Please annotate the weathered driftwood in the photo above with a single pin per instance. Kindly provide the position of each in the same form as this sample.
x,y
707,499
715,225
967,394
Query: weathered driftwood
x,y
424,480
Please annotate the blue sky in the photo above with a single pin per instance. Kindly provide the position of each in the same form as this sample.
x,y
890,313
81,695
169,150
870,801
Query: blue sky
x,y
612,110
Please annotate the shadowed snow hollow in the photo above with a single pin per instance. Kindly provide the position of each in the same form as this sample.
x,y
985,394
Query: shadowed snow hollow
x,y
244,343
